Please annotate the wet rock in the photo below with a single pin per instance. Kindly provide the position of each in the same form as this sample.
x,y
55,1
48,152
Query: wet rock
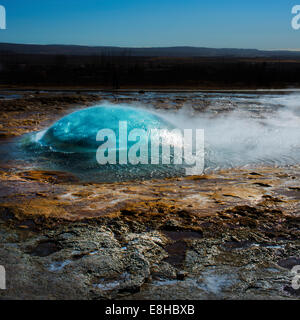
x,y
163,271
181,275
289,263
54,177
46,248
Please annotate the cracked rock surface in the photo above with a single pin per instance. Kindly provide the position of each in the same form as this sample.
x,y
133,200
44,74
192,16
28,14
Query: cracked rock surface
x,y
233,234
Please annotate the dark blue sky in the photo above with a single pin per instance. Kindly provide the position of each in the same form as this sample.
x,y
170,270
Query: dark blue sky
x,y
262,24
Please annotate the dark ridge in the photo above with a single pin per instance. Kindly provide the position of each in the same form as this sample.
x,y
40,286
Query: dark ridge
x,y
182,51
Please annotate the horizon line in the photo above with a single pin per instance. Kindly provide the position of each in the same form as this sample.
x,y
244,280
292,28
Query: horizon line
x,y
142,47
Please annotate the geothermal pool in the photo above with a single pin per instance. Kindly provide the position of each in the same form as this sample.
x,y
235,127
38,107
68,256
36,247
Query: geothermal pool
x,y
241,129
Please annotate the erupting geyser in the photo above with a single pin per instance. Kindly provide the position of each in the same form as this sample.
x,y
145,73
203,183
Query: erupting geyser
x,y
262,130
71,144
77,131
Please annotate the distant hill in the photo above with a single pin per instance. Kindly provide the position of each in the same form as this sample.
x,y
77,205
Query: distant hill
x,y
143,52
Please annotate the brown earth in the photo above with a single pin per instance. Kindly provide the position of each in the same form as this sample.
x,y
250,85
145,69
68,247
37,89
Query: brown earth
x,y
233,234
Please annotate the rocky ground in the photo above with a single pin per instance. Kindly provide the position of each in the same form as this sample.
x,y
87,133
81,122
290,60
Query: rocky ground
x,y
233,234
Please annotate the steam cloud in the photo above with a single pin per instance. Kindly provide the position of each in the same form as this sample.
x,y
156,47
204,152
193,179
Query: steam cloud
x,y
261,131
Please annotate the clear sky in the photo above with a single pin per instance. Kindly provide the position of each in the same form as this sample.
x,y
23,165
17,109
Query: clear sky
x,y
262,24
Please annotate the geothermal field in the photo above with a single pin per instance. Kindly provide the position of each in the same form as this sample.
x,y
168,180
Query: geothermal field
x,y
72,228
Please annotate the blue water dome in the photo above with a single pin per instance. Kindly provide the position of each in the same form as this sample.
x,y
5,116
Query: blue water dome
x,y
77,132
72,144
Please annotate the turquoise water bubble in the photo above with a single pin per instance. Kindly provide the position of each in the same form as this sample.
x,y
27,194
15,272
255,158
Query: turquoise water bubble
x,y
77,131
70,144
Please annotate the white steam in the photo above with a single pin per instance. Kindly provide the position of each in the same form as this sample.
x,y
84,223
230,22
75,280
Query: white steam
x,y
260,131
